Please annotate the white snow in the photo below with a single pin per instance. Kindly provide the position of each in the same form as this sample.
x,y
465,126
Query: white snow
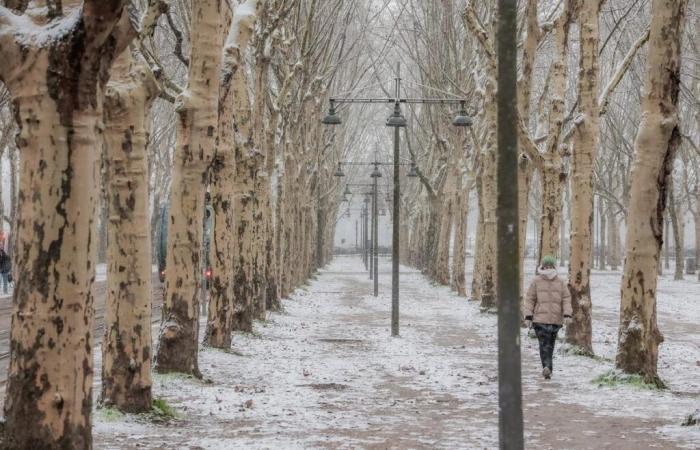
x,y
326,373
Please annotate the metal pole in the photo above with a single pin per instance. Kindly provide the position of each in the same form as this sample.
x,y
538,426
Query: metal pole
x,y
375,237
356,248
510,411
395,224
319,229
371,242
362,233
366,241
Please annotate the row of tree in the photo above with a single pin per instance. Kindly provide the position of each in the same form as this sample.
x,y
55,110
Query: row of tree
x,y
608,115
126,114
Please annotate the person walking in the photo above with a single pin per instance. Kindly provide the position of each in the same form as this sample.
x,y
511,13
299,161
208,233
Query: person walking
x,y
547,307
5,268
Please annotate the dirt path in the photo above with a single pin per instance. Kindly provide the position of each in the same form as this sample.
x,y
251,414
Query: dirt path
x,y
326,374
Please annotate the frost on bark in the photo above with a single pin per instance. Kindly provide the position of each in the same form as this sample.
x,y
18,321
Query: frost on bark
x,y
585,145
489,240
126,346
224,250
486,234
55,74
654,150
247,162
194,151
525,165
552,173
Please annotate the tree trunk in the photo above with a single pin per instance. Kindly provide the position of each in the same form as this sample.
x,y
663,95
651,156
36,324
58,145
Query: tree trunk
x,y
655,146
56,83
602,238
552,173
223,251
441,272
674,213
585,145
614,241
126,346
459,255
259,239
247,164
667,242
525,172
550,219
488,247
697,231
196,139
478,238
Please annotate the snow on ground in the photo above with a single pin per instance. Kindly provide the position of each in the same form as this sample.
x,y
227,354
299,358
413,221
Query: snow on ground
x,y
326,374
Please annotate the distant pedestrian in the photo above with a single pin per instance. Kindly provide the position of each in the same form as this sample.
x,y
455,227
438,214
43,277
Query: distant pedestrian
x,y
5,268
547,307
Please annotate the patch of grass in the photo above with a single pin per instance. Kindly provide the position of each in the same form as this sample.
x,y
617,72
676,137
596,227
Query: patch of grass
x,y
173,376
614,378
575,350
162,410
692,419
107,414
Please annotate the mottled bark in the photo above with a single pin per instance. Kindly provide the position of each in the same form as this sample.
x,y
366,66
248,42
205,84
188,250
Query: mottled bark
x,y
126,346
56,86
489,244
247,164
196,137
224,248
585,146
552,172
655,146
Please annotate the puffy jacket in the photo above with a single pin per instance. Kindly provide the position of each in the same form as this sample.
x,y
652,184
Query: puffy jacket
x,y
547,301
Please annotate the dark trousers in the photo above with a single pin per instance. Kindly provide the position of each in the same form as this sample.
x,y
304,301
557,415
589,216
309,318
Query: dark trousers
x,y
547,335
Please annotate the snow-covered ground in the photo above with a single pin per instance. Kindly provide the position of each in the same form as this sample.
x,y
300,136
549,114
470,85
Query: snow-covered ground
x,y
326,374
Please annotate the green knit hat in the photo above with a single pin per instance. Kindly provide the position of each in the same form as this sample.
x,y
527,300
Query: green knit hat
x,y
549,261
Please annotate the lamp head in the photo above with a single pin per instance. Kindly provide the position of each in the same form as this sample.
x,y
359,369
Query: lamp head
x,y
396,119
413,172
332,118
462,119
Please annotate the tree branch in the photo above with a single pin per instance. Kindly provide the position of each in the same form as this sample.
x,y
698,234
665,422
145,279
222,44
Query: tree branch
x,y
604,99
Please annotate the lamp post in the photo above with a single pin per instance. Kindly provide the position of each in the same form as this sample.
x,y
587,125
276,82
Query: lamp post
x,y
397,121
374,225
376,174
510,412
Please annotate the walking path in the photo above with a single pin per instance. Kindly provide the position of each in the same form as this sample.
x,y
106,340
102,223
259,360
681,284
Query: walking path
x,y
326,374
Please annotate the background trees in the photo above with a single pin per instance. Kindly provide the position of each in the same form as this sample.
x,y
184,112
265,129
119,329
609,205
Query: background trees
x,y
223,98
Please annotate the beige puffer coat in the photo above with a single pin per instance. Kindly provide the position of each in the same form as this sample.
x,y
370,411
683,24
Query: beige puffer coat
x,y
548,301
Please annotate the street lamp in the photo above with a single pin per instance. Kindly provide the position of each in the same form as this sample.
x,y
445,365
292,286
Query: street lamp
x,y
413,173
339,171
332,118
462,119
397,121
